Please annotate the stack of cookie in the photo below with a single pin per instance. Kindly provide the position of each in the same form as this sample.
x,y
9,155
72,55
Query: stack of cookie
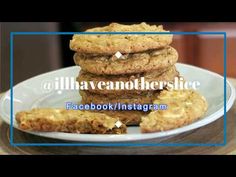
x,y
124,57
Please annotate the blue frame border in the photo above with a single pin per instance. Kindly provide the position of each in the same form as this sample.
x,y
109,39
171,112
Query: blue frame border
x,y
12,34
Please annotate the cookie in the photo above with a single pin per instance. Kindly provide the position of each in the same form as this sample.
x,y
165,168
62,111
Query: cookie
x,y
168,75
184,107
157,60
70,121
142,98
127,117
125,43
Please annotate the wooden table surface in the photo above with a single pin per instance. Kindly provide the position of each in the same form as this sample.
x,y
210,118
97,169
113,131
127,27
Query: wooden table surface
x,y
212,133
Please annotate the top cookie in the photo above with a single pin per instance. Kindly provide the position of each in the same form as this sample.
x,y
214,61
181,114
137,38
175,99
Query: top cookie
x,y
110,44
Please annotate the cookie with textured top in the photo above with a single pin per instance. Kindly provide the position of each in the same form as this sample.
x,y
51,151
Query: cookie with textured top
x,y
166,76
70,121
109,44
128,98
157,60
184,107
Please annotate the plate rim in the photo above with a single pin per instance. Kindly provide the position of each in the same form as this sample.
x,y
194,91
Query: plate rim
x,y
131,137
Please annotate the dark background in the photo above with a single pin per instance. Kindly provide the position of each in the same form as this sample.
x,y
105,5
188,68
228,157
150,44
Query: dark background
x,y
38,54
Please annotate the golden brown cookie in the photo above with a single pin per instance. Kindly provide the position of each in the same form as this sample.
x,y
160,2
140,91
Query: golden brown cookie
x,y
157,60
71,121
167,76
184,107
131,43
128,98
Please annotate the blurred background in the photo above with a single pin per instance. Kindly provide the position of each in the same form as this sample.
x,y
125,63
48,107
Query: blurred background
x,y
36,54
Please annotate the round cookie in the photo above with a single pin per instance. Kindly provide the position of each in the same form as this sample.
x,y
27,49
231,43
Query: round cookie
x,y
142,98
184,107
157,60
167,75
109,44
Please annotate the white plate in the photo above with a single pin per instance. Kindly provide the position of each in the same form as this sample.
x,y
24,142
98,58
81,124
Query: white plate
x,y
28,94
